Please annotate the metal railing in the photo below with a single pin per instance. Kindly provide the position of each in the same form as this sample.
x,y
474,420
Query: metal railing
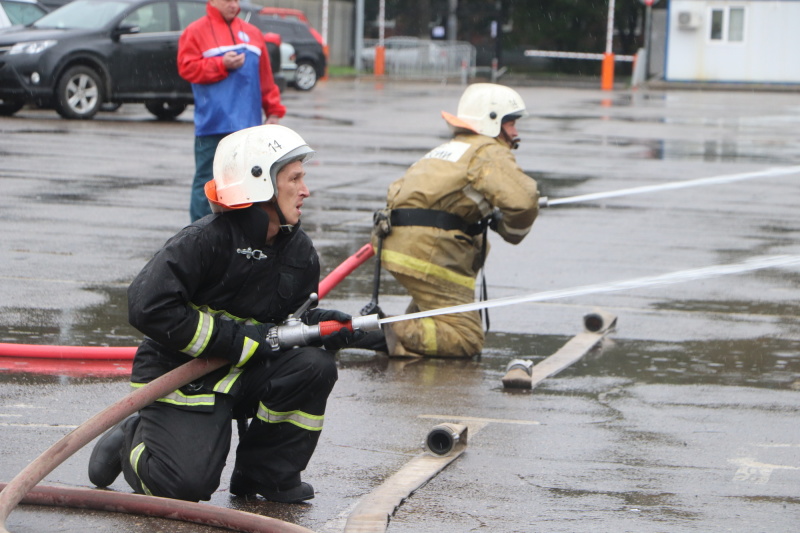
x,y
408,57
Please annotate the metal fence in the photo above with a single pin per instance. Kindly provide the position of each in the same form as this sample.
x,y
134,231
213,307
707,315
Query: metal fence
x,y
409,57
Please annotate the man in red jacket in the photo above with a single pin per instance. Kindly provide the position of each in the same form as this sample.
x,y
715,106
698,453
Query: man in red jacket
x,y
226,61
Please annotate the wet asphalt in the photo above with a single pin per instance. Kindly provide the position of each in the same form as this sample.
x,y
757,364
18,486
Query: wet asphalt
x,y
684,420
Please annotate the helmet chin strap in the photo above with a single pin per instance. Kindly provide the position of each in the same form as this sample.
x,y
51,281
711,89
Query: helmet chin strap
x,y
512,142
284,227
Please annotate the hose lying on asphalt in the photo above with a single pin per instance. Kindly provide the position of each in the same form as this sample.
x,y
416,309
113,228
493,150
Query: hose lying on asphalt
x,y
139,504
17,488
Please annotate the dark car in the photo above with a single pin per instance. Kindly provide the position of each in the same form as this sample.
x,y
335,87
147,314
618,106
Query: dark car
x,y
310,56
20,12
94,52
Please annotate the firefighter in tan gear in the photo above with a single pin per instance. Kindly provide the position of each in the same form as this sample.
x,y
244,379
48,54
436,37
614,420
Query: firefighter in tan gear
x,y
432,234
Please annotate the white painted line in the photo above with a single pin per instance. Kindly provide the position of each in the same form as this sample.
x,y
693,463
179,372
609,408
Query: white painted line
x,y
477,419
59,426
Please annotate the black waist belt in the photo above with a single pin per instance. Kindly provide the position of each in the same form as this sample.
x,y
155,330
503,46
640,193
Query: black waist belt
x,y
434,218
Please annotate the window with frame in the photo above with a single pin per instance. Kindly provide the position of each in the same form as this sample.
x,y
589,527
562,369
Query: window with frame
x,y
727,24
150,18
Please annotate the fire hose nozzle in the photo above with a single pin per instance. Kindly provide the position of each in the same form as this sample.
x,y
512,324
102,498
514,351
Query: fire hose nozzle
x,y
444,438
294,333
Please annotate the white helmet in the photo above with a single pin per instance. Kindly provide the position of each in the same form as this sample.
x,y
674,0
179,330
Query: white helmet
x,y
246,163
483,108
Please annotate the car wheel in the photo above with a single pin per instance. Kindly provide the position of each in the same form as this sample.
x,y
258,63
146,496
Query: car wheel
x,y
9,107
164,110
79,93
305,77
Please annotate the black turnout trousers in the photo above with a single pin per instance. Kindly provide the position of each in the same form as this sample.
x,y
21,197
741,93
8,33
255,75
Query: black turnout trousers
x,y
179,453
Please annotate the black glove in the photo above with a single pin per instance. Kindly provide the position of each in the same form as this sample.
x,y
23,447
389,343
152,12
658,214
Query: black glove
x,y
495,219
317,315
259,333
340,339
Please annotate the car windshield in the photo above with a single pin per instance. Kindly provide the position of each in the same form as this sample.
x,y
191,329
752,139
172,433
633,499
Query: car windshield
x,y
22,12
82,14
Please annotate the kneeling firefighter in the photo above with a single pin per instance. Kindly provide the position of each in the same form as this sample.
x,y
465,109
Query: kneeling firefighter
x,y
432,235
217,289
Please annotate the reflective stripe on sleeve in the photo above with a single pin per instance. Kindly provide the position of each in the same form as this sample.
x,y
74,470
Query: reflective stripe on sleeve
x,y
427,268
179,398
514,231
205,326
483,205
249,348
136,455
224,385
298,418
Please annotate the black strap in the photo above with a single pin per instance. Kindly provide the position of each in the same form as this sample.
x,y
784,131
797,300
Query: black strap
x,y
434,218
484,313
372,306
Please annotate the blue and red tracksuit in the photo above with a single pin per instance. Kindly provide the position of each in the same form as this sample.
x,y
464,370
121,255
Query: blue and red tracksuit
x,y
227,101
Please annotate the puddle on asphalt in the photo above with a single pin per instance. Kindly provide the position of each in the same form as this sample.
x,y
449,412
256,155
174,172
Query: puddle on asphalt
x,y
761,362
766,362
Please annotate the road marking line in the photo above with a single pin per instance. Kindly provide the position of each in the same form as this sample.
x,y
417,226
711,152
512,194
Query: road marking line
x,y
65,426
477,419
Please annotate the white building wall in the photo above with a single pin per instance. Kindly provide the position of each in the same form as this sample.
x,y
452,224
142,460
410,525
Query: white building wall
x,y
767,54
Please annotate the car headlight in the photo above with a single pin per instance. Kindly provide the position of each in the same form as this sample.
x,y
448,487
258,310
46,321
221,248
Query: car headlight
x,y
32,47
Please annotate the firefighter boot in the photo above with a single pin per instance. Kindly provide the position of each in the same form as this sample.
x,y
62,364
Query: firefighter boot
x,y
242,486
105,463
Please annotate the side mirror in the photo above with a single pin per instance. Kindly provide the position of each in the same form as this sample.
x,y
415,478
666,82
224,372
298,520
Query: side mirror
x,y
124,29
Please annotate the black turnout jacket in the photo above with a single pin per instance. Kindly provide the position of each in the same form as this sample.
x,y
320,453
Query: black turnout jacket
x,y
205,293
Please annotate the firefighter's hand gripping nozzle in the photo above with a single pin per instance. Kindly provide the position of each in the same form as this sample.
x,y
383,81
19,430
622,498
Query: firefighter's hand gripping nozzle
x,y
294,333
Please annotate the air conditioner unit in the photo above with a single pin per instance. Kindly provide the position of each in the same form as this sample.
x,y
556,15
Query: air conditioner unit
x,y
689,20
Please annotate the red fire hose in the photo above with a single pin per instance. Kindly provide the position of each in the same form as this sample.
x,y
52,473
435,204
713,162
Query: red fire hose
x,y
126,353
121,502
20,488
345,269
23,482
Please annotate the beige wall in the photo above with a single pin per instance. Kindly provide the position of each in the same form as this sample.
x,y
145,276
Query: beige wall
x,y
340,24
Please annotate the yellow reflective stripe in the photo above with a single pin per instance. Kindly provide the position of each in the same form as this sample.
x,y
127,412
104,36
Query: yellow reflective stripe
x,y
249,348
298,418
205,326
514,231
224,385
429,336
427,268
179,398
136,455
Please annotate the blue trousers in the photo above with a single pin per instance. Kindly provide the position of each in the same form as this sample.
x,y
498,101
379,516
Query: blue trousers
x,y
204,149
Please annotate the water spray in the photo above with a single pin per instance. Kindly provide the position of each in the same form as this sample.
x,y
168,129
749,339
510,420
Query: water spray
x,y
681,276
714,180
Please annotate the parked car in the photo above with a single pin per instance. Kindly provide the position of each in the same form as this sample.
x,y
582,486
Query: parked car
x,y
288,57
20,12
91,52
292,14
54,4
309,53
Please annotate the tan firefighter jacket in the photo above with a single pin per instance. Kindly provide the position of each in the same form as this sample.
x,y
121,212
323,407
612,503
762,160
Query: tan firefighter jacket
x,y
468,176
